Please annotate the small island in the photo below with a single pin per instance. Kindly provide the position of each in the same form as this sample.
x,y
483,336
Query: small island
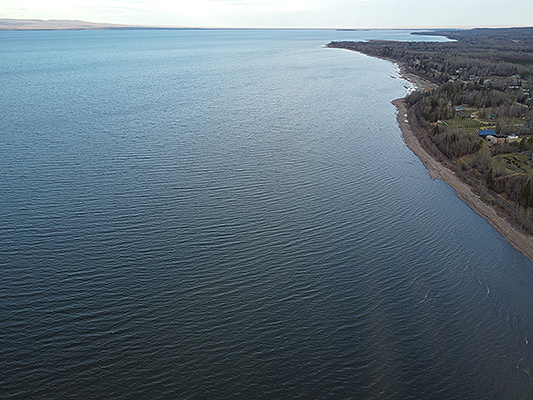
x,y
470,120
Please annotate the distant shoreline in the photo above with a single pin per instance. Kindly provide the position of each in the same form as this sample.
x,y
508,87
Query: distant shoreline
x,y
8,24
12,24
34,24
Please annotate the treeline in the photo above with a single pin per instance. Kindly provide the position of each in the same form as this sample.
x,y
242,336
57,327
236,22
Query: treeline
x,y
524,144
517,188
439,62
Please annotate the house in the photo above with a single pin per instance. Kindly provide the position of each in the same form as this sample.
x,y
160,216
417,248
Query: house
x,y
513,137
487,132
492,139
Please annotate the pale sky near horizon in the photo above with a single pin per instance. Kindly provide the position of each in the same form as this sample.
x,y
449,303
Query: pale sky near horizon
x,y
281,13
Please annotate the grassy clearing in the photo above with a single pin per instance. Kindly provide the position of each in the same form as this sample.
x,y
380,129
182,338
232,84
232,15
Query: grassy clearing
x,y
476,119
515,162
465,124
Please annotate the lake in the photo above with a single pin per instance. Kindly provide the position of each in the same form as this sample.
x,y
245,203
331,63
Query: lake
x,y
233,214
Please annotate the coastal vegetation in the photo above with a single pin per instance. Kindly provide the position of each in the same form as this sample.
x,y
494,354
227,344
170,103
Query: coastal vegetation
x,y
476,113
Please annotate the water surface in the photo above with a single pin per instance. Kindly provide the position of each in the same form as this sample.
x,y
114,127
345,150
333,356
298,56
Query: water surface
x,y
234,214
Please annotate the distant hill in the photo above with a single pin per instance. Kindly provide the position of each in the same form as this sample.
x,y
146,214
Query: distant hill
x,y
7,24
52,24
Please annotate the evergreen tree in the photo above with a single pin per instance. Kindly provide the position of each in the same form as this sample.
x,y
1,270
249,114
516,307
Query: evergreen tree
x,y
489,179
526,193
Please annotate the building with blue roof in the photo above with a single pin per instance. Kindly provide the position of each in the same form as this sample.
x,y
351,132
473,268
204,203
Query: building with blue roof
x,y
487,132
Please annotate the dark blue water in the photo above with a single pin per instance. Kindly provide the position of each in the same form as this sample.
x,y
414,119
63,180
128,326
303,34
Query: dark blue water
x,y
234,215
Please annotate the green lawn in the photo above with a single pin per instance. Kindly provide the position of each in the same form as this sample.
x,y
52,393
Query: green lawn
x,y
466,124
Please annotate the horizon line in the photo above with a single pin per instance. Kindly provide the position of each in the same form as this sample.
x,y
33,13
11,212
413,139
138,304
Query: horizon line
x,y
47,24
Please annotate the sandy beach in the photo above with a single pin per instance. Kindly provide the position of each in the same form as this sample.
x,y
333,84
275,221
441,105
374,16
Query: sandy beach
x,y
437,170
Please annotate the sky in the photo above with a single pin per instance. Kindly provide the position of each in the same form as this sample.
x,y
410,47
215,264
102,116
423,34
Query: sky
x,y
280,13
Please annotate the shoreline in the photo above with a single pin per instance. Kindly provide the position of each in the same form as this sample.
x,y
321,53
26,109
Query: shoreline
x,y
438,170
